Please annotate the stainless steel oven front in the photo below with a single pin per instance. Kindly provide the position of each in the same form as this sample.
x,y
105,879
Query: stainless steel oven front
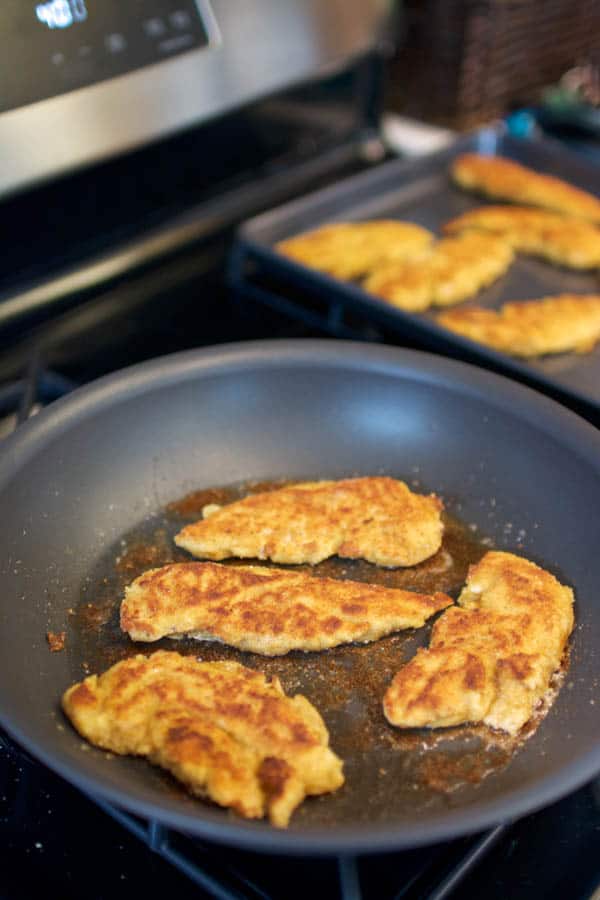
x,y
81,80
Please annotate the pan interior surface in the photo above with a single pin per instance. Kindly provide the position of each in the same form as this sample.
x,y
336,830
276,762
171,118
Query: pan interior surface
x,y
102,465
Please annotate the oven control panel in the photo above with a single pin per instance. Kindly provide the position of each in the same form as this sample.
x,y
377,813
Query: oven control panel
x,y
52,47
85,80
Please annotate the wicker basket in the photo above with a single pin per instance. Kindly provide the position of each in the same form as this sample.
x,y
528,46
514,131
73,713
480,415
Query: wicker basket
x,y
463,63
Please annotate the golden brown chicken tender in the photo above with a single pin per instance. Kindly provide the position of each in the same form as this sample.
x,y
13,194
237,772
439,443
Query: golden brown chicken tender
x,y
505,179
225,731
268,611
569,322
349,249
453,270
375,518
492,659
559,238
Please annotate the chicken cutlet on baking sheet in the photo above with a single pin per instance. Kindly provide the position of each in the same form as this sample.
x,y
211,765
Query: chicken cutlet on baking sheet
x,y
268,611
505,179
374,518
491,658
349,249
454,269
225,731
569,322
558,238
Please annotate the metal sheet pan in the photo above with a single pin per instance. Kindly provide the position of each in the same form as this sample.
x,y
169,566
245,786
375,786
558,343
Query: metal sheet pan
x,y
421,191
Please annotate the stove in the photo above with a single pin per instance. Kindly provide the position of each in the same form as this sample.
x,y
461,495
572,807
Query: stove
x,y
54,834
116,244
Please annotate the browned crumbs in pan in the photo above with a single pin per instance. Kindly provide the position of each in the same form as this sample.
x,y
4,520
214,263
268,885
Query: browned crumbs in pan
x,y
56,640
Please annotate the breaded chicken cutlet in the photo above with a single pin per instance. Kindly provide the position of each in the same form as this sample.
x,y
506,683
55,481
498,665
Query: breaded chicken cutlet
x,y
568,322
561,239
505,179
349,249
451,271
375,518
490,659
224,730
267,611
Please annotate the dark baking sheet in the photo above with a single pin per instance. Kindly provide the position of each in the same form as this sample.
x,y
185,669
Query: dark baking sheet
x,y
421,191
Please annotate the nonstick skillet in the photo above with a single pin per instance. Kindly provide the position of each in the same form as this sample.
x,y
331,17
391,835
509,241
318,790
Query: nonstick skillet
x,y
92,474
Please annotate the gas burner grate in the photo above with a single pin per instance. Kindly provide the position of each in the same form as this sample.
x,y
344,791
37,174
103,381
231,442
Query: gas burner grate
x,y
432,872
25,396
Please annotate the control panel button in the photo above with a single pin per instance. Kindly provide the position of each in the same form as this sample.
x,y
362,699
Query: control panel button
x,y
115,43
154,27
57,59
180,19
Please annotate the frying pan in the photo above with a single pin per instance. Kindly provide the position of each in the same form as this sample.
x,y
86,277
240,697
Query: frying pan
x,y
103,462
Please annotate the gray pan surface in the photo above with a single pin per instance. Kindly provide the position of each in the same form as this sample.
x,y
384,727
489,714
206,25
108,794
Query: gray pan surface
x,y
420,191
101,465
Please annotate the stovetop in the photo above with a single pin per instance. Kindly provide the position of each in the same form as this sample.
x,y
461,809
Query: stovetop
x,y
69,845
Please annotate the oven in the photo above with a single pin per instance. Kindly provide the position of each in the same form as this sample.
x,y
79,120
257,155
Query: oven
x,y
135,139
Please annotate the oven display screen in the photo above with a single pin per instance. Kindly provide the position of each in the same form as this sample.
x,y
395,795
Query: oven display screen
x,y
55,46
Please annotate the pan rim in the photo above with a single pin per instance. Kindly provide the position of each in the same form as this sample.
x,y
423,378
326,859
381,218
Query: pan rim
x,y
550,415
499,392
